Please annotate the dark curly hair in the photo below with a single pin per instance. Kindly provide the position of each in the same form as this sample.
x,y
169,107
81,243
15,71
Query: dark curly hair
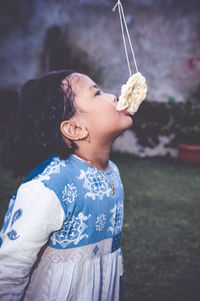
x,y
34,133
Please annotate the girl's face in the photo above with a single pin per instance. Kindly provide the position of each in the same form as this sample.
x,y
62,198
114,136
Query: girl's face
x,y
97,109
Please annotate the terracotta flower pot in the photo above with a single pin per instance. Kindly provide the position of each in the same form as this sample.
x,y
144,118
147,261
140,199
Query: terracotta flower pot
x,y
189,153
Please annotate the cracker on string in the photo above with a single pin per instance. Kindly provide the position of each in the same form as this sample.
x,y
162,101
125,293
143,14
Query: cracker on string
x,y
135,89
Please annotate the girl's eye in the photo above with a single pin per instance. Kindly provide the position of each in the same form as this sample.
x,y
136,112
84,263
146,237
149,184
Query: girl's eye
x,y
98,93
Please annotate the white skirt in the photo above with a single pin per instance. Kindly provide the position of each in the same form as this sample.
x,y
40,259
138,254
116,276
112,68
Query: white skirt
x,y
89,273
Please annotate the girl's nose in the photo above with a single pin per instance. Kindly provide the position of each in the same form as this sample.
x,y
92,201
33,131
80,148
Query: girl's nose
x,y
114,99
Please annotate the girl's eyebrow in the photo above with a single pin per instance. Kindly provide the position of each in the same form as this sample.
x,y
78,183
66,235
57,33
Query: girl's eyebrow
x,y
94,86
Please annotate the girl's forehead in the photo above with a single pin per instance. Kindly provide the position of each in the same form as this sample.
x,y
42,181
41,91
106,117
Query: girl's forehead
x,y
80,82
80,85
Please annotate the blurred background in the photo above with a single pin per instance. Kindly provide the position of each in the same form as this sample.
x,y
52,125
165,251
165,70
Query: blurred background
x,y
159,156
38,36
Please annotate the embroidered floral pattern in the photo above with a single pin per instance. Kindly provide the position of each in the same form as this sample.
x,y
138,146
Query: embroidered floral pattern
x,y
69,193
95,250
16,215
72,231
95,183
8,214
53,167
116,218
100,222
12,234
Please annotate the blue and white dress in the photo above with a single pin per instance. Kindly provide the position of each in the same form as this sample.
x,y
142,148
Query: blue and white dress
x,y
61,235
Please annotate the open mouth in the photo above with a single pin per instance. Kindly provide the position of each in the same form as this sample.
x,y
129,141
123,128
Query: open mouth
x,y
125,112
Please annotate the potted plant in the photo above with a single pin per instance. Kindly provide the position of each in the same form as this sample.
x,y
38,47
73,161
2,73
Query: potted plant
x,y
185,125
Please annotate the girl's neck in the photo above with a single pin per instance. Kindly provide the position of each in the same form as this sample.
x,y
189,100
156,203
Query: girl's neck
x,y
98,156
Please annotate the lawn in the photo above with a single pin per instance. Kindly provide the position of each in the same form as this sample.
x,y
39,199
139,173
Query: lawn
x,y
161,233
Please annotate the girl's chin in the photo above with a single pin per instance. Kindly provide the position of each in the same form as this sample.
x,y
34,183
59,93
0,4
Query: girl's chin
x,y
126,126
129,121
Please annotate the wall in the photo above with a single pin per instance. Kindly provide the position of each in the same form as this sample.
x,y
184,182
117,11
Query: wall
x,y
165,37
87,35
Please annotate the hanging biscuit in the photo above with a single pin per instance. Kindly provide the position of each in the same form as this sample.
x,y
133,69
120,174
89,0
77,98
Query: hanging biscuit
x,y
135,89
132,93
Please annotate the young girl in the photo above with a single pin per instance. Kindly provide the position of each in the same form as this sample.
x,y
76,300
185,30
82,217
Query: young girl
x,y
61,234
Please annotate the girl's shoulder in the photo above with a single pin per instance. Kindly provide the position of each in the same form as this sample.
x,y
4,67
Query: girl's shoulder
x,y
35,191
114,167
47,167
51,169
33,186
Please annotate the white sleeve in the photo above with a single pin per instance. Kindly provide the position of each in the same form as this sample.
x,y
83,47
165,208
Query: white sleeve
x,y
37,213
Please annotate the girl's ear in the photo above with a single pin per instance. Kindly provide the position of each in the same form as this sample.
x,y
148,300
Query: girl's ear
x,y
73,131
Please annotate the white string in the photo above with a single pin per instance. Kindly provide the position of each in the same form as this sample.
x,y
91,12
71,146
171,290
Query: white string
x,y
122,19
124,40
133,54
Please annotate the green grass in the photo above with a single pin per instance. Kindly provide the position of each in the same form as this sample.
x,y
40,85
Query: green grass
x,y
161,233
